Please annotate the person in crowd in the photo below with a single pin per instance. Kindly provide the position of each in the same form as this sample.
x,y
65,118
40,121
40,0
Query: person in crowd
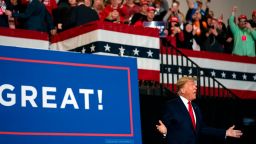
x,y
14,6
195,6
189,37
62,5
182,121
215,37
210,13
63,14
88,3
160,11
114,5
142,15
82,14
174,11
120,2
36,17
252,21
98,6
130,8
175,35
200,28
50,5
150,15
114,17
3,17
229,40
244,35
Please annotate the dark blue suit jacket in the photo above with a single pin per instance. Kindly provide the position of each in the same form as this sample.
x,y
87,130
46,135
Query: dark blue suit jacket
x,y
179,126
36,17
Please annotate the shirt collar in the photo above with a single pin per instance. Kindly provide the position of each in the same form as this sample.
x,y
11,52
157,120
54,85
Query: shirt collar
x,y
185,101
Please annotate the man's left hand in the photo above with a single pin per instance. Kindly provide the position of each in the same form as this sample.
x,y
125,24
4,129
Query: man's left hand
x,y
231,132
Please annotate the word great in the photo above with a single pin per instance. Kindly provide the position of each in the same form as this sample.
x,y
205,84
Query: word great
x,y
30,93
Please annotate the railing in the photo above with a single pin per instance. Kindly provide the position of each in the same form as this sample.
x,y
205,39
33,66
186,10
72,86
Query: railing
x,y
175,64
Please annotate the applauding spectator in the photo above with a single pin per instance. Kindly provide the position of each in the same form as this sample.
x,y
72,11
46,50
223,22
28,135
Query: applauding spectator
x,y
253,20
215,37
175,35
244,35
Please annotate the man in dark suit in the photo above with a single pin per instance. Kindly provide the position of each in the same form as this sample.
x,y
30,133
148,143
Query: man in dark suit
x,y
36,17
82,14
182,123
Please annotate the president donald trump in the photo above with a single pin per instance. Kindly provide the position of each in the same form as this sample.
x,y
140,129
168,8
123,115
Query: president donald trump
x,y
182,121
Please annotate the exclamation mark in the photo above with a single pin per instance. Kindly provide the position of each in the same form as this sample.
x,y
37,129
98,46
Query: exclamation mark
x,y
100,106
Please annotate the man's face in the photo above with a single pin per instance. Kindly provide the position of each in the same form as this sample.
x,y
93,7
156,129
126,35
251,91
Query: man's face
x,y
115,14
151,14
189,28
189,90
214,23
175,7
72,2
200,4
197,15
242,23
98,2
144,8
87,2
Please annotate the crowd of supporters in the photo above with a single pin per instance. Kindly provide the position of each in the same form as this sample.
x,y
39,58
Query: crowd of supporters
x,y
197,29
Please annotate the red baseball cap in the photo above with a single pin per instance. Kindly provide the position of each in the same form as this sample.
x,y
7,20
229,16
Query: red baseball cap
x,y
242,16
151,8
254,12
174,19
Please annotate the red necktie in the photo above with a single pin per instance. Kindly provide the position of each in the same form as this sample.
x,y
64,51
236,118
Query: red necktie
x,y
190,110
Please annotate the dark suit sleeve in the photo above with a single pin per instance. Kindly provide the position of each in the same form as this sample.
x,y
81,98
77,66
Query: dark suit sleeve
x,y
209,131
29,11
70,20
219,133
49,20
94,15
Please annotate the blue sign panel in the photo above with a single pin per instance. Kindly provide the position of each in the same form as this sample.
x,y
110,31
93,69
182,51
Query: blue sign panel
x,y
49,97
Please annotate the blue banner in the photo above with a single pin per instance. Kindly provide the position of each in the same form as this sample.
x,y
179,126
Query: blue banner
x,y
50,97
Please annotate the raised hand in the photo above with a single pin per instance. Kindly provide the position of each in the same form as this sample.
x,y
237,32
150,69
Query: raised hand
x,y
234,9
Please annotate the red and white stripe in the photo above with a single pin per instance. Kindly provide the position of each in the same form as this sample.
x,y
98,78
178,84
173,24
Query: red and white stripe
x,y
24,38
149,69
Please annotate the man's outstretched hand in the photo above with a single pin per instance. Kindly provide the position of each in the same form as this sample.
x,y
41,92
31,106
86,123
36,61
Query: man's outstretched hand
x,y
231,132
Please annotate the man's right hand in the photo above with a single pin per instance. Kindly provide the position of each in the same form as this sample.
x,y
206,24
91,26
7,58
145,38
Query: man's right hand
x,y
161,128
234,9
8,13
